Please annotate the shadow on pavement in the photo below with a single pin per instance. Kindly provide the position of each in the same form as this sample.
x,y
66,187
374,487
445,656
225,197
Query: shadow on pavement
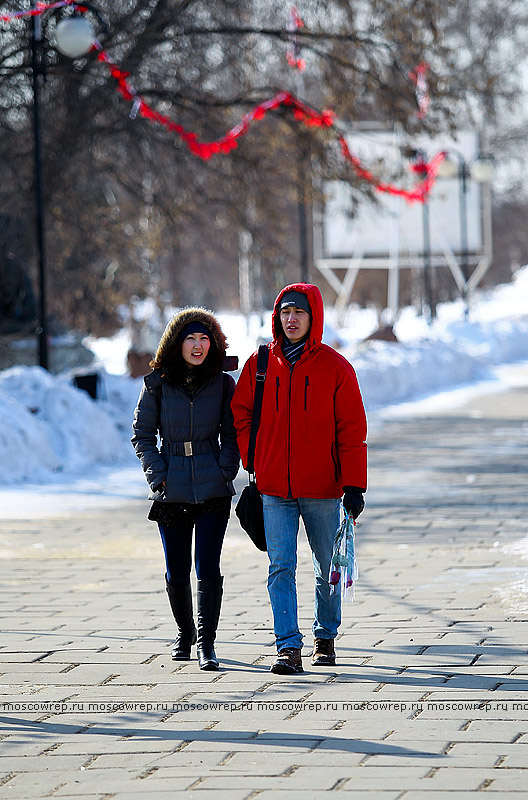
x,y
267,739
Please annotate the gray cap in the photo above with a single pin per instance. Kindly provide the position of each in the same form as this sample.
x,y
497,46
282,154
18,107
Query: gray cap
x,y
295,299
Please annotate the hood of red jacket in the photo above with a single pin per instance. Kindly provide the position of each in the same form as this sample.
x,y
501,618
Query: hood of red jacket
x,y
315,300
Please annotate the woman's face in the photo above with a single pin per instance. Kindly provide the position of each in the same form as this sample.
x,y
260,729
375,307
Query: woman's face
x,y
195,347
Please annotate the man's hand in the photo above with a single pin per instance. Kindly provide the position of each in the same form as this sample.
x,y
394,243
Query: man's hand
x,y
353,501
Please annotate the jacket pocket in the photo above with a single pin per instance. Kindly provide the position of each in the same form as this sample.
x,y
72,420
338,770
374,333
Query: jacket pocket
x,y
213,476
306,385
277,385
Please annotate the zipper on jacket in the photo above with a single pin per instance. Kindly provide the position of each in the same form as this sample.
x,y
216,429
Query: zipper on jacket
x,y
306,385
277,392
193,475
290,493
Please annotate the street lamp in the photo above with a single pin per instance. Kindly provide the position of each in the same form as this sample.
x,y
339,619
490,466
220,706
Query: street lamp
x,y
303,230
479,169
420,167
73,37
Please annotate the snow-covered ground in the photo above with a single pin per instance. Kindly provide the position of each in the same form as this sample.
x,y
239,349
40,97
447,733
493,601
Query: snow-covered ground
x,y
61,450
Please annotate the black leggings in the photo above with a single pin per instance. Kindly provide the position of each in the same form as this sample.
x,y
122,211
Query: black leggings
x,y
209,531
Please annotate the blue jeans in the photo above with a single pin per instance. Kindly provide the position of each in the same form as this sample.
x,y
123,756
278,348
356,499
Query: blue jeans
x,y
281,521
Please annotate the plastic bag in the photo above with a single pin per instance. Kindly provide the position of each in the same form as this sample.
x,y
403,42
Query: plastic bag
x,y
343,566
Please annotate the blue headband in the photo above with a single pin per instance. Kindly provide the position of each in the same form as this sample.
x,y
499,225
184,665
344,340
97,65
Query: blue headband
x,y
193,327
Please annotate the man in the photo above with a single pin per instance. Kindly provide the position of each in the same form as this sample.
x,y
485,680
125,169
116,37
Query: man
x,y
310,450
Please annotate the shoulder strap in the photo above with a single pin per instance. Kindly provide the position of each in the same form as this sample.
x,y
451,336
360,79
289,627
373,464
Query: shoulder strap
x,y
260,377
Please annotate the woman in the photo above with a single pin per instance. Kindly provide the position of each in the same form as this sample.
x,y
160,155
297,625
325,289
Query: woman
x,y
187,399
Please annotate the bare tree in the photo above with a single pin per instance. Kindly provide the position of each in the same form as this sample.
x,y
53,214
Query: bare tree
x,y
131,211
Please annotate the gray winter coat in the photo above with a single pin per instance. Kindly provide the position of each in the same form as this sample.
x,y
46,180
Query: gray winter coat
x,y
198,457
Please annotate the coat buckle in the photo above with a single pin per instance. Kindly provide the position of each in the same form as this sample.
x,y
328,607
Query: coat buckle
x,y
188,448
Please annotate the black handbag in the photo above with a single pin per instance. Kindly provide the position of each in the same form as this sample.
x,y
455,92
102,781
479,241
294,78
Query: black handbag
x,y
249,507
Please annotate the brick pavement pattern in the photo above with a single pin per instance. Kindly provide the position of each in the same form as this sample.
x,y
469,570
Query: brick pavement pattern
x,y
430,692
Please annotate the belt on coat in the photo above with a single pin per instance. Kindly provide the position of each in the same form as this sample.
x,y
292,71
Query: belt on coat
x,y
187,448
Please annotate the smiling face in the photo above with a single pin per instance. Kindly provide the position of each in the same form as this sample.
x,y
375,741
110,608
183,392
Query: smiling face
x,y
195,347
295,322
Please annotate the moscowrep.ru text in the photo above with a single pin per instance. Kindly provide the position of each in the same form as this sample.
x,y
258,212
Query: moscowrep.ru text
x,y
254,706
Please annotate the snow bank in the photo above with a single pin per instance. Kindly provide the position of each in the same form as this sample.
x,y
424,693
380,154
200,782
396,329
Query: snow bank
x,y
451,352
390,372
24,442
47,425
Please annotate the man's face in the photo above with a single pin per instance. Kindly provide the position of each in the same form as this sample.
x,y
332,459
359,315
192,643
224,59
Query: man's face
x,y
295,322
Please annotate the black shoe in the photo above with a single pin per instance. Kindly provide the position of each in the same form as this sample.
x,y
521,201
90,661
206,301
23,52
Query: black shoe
x,y
209,598
288,662
323,654
180,599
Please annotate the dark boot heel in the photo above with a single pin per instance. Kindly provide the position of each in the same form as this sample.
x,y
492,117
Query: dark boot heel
x,y
209,598
180,599
207,659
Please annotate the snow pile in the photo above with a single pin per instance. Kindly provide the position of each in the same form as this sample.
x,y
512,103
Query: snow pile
x,y
451,352
24,442
48,425
389,373
493,342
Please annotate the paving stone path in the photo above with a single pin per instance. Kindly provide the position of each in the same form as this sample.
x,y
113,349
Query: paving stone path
x,y
430,693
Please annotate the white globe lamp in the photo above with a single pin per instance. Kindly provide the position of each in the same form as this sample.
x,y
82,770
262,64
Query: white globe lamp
x,y
448,167
482,169
74,37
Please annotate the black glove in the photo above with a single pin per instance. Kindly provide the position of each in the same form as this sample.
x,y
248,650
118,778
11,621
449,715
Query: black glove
x,y
353,500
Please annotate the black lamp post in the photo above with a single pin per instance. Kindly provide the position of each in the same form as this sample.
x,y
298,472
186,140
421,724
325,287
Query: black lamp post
x,y
37,70
74,37
302,163
303,231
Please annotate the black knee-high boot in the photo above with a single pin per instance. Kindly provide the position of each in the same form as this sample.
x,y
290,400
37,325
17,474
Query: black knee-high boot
x,y
180,599
209,597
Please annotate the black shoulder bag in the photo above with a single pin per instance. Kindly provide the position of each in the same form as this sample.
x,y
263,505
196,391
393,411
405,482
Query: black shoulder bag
x,y
249,507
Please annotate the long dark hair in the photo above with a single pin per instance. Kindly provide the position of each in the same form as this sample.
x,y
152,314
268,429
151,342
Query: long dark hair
x,y
175,370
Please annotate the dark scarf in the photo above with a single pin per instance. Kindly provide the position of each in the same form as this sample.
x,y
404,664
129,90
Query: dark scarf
x,y
292,351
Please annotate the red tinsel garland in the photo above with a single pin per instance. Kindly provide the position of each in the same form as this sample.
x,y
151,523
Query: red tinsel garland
x,y
39,9
301,112
293,52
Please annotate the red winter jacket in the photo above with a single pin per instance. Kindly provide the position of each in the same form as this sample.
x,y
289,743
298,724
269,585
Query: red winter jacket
x,y
311,439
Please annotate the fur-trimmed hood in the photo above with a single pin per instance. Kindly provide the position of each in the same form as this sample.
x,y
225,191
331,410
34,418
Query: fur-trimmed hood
x,y
177,324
